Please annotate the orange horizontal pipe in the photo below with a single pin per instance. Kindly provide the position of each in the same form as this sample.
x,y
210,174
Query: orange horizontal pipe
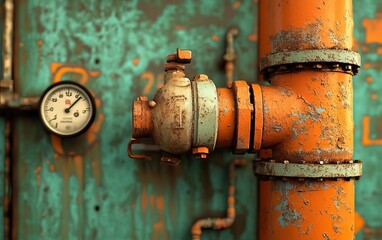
x,y
309,116
226,116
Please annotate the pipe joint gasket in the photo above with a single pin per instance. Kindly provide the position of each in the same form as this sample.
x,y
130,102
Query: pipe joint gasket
x,y
244,111
317,59
258,117
303,171
206,112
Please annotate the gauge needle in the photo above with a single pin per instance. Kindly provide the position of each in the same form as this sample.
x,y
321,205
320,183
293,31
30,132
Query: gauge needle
x,y
67,109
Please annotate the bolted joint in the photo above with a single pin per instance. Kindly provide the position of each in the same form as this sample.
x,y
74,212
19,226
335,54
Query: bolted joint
x,y
243,119
318,171
181,56
176,61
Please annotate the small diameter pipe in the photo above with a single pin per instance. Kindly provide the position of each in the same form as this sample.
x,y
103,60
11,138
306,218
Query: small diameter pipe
x,y
221,223
230,55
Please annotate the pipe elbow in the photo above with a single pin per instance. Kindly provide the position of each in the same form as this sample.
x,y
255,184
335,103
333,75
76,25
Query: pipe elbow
x,y
222,223
278,103
196,229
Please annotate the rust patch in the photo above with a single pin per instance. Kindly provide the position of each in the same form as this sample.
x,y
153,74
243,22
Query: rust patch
x,y
253,37
298,38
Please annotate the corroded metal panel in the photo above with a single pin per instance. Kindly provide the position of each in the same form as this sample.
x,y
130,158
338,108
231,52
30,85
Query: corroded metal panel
x,y
368,116
87,187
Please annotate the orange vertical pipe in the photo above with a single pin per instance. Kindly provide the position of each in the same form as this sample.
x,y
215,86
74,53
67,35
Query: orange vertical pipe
x,y
308,119
264,40
315,24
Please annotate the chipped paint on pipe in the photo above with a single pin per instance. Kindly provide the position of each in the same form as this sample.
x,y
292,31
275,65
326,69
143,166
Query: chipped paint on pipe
x,y
318,25
316,124
306,210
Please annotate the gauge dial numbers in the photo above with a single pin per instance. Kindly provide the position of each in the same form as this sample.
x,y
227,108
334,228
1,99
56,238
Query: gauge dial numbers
x,y
67,109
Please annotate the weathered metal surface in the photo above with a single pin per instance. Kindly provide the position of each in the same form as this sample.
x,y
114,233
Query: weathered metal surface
x,y
206,111
142,118
87,188
312,27
308,170
296,209
368,115
227,113
126,42
172,115
243,117
307,119
311,56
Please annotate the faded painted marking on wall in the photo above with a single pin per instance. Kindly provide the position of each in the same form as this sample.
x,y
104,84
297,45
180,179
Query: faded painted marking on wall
x,y
373,29
151,80
366,139
58,70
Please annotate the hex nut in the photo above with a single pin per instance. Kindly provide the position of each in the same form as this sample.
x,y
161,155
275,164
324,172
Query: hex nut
x,y
200,152
201,77
142,98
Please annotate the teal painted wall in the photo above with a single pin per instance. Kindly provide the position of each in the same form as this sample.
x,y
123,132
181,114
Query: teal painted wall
x,y
87,187
368,115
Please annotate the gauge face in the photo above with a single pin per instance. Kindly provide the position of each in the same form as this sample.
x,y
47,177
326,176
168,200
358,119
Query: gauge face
x,y
67,109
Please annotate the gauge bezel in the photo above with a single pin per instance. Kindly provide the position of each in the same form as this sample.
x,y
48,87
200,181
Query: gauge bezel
x,y
56,86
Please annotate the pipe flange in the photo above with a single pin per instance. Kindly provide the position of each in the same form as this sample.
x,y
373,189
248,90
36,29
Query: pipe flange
x,y
258,117
272,169
345,60
244,110
206,110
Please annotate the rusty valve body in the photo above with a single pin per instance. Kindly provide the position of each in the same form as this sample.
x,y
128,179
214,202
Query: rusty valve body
x,y
183,115
195,116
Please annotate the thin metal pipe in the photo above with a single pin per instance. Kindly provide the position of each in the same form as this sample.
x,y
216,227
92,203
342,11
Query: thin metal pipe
x,y
230,55
221,223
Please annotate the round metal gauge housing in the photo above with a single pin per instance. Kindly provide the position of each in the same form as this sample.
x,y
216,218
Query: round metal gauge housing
x,y
67,109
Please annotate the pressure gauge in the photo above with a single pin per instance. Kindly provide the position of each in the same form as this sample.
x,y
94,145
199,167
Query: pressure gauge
x,y
67,109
